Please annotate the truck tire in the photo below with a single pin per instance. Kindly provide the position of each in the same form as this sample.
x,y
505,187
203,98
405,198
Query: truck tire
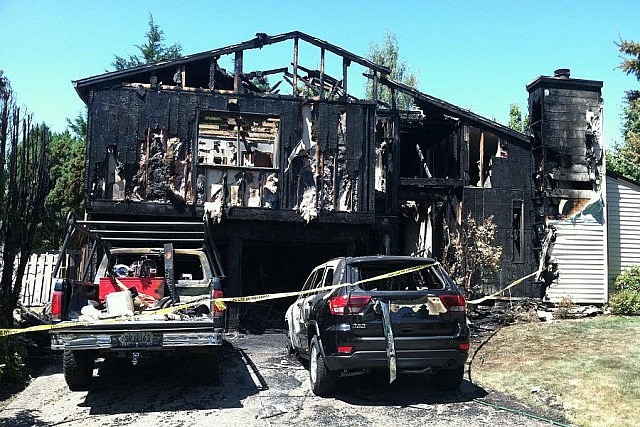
x,y
78,368
323,380
448,379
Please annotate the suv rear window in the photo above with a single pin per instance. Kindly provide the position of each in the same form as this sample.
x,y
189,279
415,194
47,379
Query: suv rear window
x,y
426,278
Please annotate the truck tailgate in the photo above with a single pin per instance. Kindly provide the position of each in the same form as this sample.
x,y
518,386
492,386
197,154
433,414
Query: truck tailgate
x,y
138,334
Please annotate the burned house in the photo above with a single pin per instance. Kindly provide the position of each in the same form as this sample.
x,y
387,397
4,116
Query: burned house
x,y
569,186
292,173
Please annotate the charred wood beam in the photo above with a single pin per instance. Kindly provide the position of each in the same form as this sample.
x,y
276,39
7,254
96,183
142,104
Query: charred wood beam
x,y
304,81
237,72
255,74
423,98
331,84
256,215
259,41
316,73
274,87
335,88
384,104
212,72
375,86
322,73
345,71
295,66
423,161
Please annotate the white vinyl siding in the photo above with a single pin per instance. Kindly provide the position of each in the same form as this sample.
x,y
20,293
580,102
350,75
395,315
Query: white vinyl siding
x,y
623,214
580,251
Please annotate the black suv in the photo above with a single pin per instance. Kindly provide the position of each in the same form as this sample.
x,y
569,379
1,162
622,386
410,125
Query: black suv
x,y
400,313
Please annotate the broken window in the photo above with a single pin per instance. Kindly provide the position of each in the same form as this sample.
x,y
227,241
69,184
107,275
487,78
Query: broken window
x,y
483,146
517,231
237,140
428,147
239,152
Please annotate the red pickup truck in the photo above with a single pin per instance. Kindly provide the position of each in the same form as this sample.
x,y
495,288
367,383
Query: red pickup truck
x,y
146,296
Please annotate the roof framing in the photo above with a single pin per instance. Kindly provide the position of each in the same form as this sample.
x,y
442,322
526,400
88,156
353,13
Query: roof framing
x,y
261,39
454,110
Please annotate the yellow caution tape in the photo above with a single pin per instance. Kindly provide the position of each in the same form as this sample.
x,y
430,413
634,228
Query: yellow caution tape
x,y
219,303
511,285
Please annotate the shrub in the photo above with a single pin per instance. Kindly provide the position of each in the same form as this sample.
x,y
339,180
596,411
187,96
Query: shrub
x,y
12,357
629,279
563,308
626,299
625,302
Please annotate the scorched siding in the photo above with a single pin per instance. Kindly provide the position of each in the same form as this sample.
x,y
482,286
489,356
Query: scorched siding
x,y
581,256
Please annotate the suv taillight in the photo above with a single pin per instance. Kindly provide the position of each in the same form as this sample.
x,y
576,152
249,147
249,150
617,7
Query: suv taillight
x,y
355,304
454,302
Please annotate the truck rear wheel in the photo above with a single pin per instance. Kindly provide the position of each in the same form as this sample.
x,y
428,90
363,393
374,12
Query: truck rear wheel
x,y
208,368
78,368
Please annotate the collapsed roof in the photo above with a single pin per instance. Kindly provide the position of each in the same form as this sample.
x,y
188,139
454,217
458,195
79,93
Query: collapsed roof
x,y
201,72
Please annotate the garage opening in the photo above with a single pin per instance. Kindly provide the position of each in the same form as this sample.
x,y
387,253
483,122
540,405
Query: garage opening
x,y
269,267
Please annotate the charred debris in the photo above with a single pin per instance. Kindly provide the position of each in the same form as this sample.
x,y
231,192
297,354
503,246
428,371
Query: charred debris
x,y
291,169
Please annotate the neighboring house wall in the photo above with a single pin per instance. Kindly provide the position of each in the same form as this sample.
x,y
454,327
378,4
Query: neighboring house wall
x,y
580,253
623,214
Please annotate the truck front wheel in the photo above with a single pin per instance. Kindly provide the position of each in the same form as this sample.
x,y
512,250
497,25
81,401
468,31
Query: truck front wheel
x,y
78,368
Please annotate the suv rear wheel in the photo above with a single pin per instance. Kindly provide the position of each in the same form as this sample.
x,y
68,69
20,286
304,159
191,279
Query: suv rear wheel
x,y
323,380
448,379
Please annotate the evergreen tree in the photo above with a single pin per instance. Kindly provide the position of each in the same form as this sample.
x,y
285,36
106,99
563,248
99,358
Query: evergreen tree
x,y
67,175
624,158
387,54
516,122
152,50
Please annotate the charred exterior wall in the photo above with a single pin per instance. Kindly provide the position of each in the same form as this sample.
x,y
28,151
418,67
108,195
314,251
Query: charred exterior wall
x,y
504,192
288,181
434,168
566,123
158,152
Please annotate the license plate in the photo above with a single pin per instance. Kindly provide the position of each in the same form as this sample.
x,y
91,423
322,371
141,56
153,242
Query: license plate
x,y
138,339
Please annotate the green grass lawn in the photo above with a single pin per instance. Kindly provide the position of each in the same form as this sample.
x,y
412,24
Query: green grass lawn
x,y
589,369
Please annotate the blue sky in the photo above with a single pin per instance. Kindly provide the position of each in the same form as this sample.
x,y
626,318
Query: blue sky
x,y
475,54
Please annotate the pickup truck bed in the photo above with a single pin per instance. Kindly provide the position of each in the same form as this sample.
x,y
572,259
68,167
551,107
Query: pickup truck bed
x,y
141,300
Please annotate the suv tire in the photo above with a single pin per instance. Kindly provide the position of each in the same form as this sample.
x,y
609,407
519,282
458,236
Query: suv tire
x,y
323,380
78,368
448,379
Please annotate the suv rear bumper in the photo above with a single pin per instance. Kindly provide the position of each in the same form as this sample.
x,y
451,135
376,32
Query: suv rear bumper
x,y
405,359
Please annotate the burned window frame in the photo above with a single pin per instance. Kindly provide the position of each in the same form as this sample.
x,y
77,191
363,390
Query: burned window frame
x,y
249,141
517,231
238,183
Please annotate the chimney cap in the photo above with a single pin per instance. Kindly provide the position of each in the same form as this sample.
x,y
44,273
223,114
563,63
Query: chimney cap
x,y
562,72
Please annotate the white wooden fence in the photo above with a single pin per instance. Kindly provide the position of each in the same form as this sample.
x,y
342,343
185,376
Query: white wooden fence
x,y
36,283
